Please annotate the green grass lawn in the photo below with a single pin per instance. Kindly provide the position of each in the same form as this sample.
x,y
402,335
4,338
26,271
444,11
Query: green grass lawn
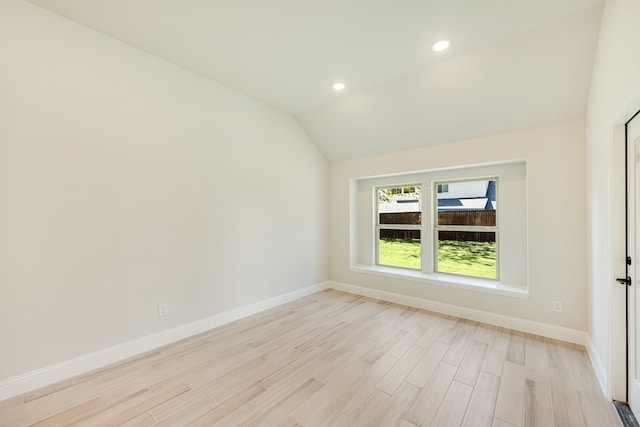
x,y
400,253
468,258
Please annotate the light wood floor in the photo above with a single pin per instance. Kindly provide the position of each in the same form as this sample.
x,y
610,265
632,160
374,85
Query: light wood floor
x,y
334,359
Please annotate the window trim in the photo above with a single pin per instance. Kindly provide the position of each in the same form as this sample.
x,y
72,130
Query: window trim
x,y
467,283
513,268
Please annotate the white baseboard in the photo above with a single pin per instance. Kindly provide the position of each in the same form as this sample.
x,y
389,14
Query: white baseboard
x,y
523,325
51,374
598,367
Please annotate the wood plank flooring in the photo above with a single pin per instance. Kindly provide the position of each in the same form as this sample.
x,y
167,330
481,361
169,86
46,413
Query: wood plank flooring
x,y
334,359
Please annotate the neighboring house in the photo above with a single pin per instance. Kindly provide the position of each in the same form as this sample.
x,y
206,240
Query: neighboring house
x,y
451,196
467,195
400,203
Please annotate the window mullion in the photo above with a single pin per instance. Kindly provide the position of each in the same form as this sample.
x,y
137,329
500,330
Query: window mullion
x,y
399,226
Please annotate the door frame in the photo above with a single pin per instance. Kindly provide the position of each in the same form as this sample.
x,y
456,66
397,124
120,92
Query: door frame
x,y
617,366
631,292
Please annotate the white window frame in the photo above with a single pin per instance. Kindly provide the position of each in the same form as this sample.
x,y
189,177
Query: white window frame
x,y
437,228
401,227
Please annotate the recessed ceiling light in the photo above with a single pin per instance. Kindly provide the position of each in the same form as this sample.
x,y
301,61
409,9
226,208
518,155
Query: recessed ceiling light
x,y
441,45
338,87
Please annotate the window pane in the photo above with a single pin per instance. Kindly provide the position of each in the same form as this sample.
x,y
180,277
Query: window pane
x,y
399,205
470,203
400,248
468,253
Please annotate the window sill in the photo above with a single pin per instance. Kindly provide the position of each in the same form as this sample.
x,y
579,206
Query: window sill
x,y
450,281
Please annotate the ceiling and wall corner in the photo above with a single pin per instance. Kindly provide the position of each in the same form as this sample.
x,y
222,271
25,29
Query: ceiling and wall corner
x,y
511,65
536,78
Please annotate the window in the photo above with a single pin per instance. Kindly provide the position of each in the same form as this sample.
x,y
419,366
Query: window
x,y
466,229
459,227
443,188
399,218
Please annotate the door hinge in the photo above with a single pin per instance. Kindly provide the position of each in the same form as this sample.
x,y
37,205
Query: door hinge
x,y
624,281
628,260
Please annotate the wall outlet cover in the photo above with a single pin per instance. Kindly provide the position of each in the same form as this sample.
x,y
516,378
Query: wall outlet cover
x,y
163,310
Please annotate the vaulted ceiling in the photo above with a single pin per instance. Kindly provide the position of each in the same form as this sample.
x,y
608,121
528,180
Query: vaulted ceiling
x,y
512,64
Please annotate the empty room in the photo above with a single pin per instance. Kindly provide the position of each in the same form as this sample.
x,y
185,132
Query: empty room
x,y
339,213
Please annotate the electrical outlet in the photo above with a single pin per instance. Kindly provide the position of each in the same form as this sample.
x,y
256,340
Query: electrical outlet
x,y
557,306
163,310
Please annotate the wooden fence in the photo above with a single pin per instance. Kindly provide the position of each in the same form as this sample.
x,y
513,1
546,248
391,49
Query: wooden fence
x,y
400,218
477,218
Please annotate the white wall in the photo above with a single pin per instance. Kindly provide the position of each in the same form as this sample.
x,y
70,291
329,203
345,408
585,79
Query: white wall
x,y
556,220
613,98
126,181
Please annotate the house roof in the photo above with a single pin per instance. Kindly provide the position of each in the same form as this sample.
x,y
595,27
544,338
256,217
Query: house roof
x,y
511,65
464,203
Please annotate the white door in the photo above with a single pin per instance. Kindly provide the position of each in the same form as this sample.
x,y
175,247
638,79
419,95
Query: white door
x,y
633,248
